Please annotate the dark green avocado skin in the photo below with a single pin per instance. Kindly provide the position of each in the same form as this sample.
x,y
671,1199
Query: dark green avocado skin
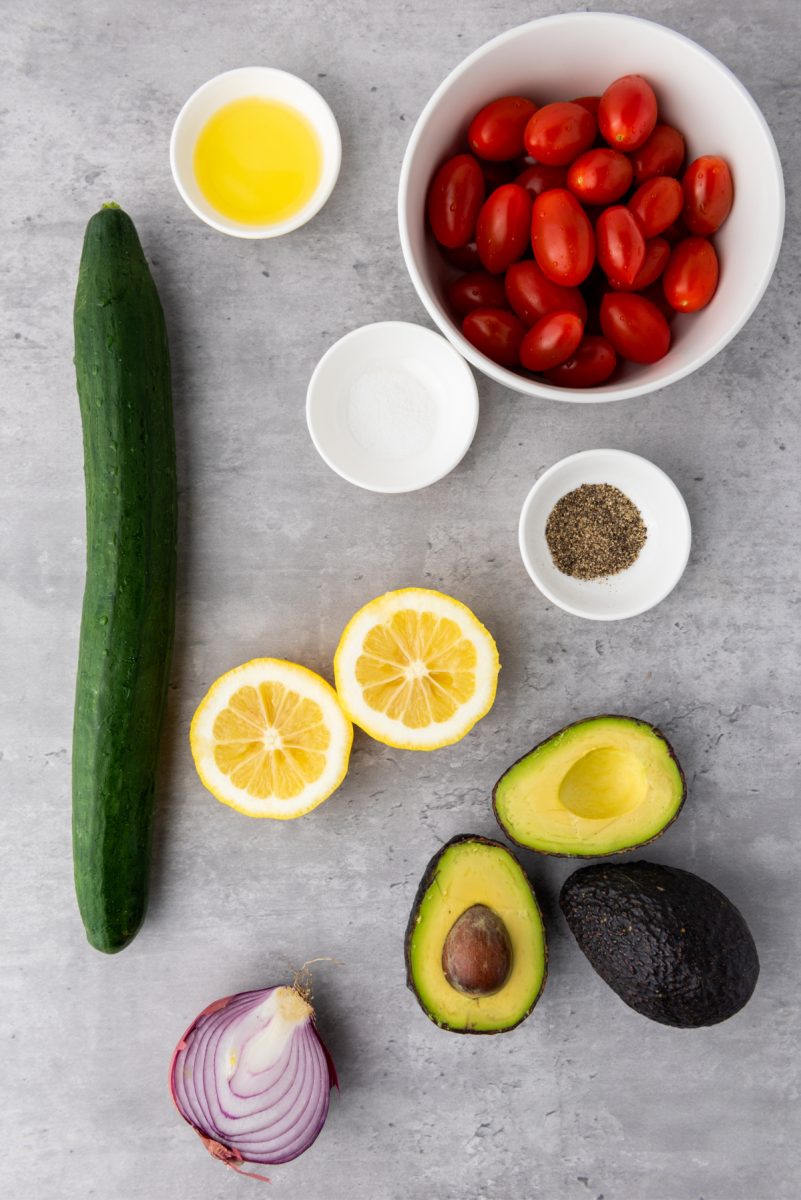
x,y
670,944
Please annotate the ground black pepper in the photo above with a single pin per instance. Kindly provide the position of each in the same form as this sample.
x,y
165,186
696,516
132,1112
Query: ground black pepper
x,y
594,531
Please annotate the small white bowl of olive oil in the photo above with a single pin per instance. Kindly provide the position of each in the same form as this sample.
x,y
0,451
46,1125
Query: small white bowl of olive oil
x,y
255,152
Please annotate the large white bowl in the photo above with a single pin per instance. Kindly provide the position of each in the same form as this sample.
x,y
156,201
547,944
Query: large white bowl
x,y
580,54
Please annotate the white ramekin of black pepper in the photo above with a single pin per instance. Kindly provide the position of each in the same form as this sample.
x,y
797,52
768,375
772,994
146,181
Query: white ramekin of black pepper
x,y
605,534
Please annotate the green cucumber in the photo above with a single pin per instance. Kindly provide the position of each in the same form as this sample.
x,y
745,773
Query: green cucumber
x,y
122,366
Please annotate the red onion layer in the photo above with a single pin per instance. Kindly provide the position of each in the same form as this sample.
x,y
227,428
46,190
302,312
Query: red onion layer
x,y
252,1076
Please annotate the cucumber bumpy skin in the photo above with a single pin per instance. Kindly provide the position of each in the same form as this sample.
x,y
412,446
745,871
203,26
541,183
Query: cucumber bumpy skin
x,y
123,375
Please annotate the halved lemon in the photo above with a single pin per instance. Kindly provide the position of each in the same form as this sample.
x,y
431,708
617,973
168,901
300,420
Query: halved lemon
x,y
416,669
270,739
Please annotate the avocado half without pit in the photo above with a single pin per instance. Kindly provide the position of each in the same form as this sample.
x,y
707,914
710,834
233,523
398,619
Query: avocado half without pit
x,y
598,787
476,953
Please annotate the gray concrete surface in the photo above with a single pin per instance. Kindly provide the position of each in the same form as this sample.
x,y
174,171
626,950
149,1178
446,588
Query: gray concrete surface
x,y
585,1100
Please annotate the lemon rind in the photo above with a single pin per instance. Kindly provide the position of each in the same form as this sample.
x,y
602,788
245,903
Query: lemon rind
x,y
280,670
387,730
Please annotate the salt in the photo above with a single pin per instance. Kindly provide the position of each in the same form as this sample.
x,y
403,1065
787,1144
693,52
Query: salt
x,y
391,413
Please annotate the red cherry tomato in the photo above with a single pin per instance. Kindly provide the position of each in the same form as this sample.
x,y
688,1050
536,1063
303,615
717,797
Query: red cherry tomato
x,y
562,237
656,295
692,275
627,112
656,204
675,232
590,103
600,176
503,227
591,365
552,340
708,194
477,290
635,327
657,253
558,133
533,295
496,131
465,258
660,154
454,200
593,290
538,178
497,333
620,244
497,173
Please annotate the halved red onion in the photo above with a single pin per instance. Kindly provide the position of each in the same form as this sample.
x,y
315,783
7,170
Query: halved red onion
x,y
252,1076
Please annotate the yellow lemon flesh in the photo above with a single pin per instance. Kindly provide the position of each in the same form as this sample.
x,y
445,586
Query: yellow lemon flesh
x,y
270,739
416,669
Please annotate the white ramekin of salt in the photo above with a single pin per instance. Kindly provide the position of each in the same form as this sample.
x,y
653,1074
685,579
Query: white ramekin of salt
x,y
392,407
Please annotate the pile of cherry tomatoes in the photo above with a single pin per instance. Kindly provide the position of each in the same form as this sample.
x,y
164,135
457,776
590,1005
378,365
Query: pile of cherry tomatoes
x,y
578,239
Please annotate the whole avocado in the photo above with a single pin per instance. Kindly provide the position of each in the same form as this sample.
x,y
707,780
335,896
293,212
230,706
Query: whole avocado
x,y
670,944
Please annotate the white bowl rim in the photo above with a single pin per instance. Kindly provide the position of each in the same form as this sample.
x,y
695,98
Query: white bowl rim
x,y
330,138
590,614
531,387
470,396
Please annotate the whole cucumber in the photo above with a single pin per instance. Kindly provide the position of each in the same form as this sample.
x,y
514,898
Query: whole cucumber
x,y
122,366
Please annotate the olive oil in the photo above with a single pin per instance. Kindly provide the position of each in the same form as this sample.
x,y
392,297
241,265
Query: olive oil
x,y
257,161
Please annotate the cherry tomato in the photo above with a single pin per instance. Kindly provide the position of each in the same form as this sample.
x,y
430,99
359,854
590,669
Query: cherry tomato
x,y
657,253
676,232
552,340
592,364
635,327
620,244
533,295
656,295
600,176
497,333
454,200
496,131
708,194
538,178
562,237
594,288
627,112
660,154
692,275
656,204
503,227
464,257
593,211
497,173
477,290
589,102
558,133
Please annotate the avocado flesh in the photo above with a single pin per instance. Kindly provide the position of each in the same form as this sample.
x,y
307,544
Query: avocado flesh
x,y
598,787
471,871
671,946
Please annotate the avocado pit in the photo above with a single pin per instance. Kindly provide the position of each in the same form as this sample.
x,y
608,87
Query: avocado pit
x,y
477,953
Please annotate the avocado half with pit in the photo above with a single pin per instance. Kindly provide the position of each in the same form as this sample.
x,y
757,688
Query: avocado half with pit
x,y
598,787
476,953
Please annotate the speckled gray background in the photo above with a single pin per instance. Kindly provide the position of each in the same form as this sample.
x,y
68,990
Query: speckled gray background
x,y
586,1099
